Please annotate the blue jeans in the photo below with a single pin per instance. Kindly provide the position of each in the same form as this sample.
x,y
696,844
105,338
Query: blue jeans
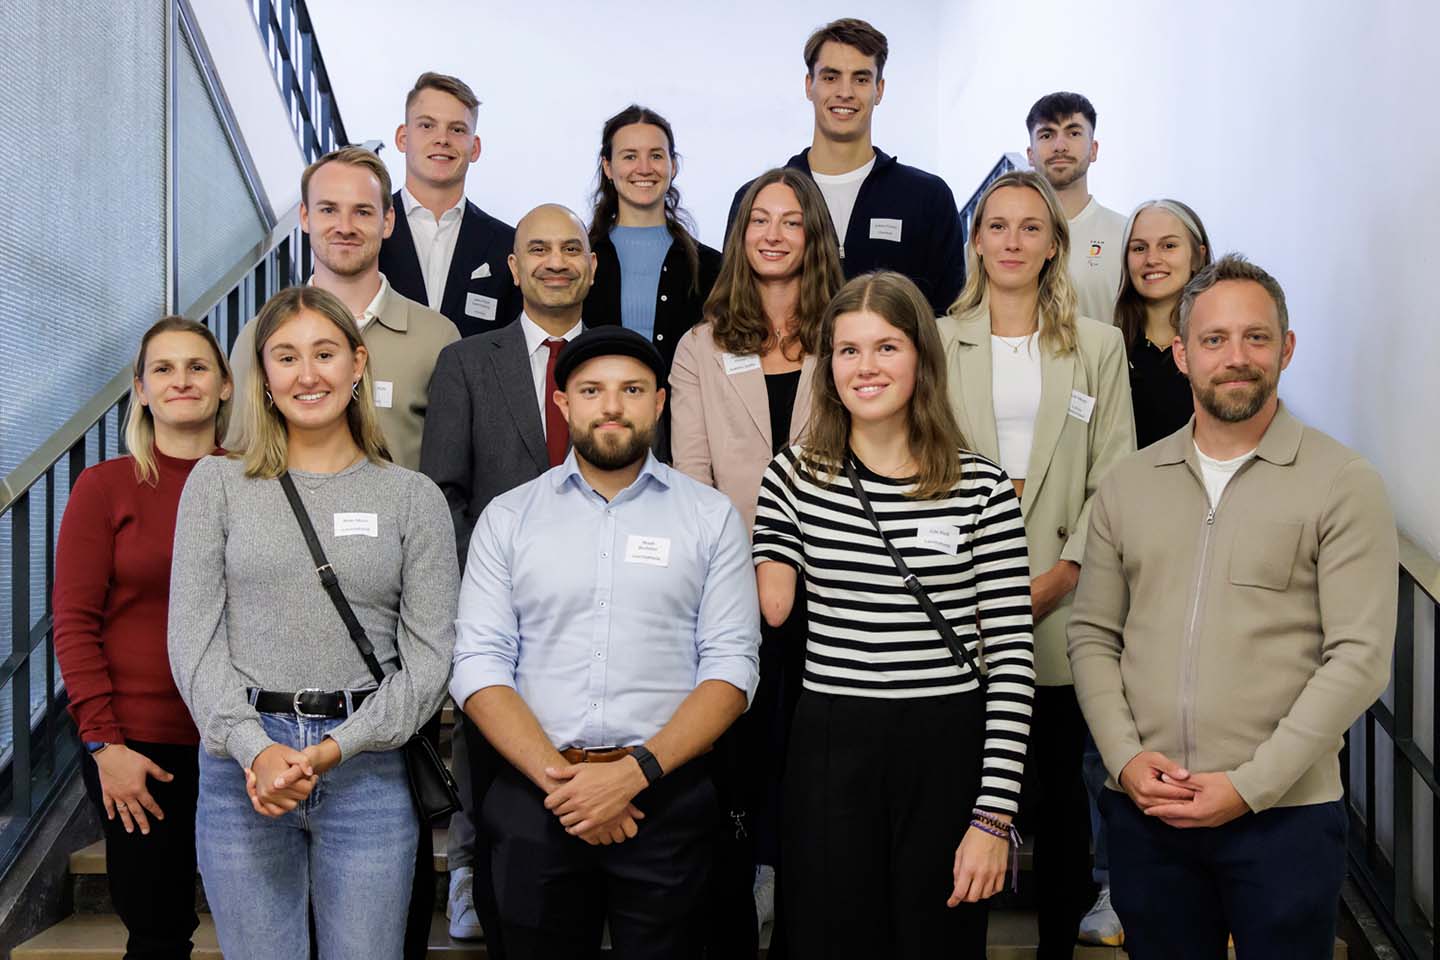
x,y
349,848
1093,771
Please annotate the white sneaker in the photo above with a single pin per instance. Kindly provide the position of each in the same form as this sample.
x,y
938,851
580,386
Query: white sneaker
x,y
1101,925
764,894
460,906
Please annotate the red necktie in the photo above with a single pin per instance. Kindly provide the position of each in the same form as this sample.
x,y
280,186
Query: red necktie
x,y
557,431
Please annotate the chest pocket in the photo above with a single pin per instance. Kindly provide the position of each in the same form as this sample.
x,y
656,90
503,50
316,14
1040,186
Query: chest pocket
x,y
1264,554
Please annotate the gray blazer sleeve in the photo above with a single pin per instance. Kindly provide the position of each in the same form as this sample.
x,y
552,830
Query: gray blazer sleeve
x,y
445,451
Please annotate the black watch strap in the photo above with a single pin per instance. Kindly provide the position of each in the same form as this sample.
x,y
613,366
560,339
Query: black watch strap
x,y
648,764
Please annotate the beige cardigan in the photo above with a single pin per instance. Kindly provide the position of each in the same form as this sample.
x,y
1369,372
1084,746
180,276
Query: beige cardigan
x,y
720,422
1067,457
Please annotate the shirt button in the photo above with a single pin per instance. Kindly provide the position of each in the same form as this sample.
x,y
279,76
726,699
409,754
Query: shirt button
x,y
602,603
659,336
599,655
594,706
604,555
663,298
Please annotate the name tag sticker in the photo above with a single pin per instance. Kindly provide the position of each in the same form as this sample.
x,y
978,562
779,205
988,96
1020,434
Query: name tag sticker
x,y
384,393
741,364
884,229
1081,406
651,551
481,308
481,272
940,537
357,525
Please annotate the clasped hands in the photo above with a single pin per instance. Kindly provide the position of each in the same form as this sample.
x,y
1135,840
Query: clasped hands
x,y
281,777
592,800
1162,788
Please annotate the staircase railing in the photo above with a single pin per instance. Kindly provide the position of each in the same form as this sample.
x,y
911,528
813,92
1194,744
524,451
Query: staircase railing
x,y
1006,163
41,750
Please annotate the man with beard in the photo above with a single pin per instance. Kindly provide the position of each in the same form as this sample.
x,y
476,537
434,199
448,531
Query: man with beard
x,y
1235,615
495,426
345,208
608,633
1061,127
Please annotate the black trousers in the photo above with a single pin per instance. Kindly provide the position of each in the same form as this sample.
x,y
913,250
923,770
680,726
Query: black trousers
x,y
1055,813
483,764
1272,879
556,892
152,877
878,795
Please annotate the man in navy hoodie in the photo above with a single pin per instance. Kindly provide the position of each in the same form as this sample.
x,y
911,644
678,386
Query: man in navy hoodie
x,y
887,215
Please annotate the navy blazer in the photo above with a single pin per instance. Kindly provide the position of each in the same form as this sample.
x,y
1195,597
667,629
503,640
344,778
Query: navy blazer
x,y
484,242
919,206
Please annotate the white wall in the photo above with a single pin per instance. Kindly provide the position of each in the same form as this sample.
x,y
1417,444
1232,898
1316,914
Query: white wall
x,y
728,78
1304,135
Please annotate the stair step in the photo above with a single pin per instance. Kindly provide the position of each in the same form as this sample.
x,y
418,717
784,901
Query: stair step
x,y
102,937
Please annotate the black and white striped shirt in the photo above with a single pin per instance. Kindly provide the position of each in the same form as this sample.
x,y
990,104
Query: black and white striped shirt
x,y
868,637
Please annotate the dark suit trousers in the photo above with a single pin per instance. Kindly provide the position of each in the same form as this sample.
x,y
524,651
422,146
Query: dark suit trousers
x,y
556,892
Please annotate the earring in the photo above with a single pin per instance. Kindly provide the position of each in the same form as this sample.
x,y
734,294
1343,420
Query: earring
x,y
355,390
269,400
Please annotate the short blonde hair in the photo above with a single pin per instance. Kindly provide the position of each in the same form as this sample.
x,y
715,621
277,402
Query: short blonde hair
x,y
264,438
457,88
355,157
140,421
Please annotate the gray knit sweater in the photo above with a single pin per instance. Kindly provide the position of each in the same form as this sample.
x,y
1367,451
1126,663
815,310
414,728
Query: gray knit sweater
x,y
247,608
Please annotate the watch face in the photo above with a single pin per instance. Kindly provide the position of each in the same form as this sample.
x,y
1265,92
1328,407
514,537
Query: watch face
x,y
94,746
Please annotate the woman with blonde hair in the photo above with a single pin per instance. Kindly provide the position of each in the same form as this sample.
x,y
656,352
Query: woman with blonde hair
x,y
910,738
1043,392
112,589
304,795
740,393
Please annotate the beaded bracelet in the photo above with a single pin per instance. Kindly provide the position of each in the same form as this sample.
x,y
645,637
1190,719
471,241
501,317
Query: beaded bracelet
x,y
989,823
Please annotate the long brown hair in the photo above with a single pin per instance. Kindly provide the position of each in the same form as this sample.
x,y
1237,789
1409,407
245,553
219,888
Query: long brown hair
x,y
737,318
140,422
1057,304
1129,305
935,437
607,199
265,440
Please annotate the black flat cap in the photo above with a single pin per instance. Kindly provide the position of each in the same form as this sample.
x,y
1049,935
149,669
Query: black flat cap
x,y
607,341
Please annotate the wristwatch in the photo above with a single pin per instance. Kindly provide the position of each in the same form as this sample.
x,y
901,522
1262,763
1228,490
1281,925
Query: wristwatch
x,y
95,746
648,764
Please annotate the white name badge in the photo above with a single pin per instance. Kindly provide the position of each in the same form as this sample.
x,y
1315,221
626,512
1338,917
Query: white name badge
x,y
651,551
884,229
481,272
481,308
357,525
741,364
1081,406
384,394
941,537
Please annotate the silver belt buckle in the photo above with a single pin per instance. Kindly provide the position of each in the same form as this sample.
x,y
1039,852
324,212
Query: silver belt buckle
x,y
295,704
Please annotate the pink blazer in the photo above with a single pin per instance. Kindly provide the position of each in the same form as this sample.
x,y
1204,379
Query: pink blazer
x,y
720,423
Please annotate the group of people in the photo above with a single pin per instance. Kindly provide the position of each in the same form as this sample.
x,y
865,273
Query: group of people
x,y
800,579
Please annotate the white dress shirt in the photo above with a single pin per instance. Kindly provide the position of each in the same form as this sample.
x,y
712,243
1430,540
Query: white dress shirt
x,y
434,243
540,356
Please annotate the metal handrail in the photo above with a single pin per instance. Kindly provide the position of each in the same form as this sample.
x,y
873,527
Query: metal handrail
x,y
1006,163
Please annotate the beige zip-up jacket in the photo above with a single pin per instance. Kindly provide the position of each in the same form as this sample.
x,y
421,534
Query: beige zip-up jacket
x,y
1245,639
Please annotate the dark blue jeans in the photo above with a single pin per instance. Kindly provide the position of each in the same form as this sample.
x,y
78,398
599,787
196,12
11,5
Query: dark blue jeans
x,y
1272,879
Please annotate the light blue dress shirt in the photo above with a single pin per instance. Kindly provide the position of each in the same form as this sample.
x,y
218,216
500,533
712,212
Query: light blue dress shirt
x,y
605,616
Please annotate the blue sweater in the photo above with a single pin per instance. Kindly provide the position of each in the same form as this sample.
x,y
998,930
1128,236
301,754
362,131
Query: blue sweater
x,y
642,253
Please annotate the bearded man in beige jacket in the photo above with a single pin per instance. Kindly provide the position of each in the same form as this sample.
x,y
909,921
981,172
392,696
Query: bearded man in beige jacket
x,y
1235,615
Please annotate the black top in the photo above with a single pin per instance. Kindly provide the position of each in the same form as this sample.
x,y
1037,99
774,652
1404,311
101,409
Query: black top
x,y
920,207
1160,392
484,244
781,390
679,303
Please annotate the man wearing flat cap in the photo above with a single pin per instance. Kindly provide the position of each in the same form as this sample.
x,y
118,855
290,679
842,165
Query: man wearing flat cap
x,y
608,633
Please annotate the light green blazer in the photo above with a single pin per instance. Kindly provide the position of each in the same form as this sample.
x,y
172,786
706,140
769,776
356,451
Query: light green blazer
x,y
1068,456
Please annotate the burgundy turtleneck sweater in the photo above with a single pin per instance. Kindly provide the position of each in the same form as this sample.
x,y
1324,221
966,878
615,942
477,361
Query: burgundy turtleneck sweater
x,y
112,593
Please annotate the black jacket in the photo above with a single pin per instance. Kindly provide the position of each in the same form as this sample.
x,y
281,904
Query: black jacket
x,y
678,305
483,240
931,247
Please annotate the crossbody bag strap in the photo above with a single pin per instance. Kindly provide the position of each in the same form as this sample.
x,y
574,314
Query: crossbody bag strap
x,y
328,580
912,583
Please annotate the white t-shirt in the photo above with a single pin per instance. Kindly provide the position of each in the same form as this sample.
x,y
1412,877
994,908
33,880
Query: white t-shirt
x,y
1217,473
1015,393
1097,256
840,191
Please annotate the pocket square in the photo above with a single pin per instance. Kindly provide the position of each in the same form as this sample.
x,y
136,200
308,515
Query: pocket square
x,y
481,272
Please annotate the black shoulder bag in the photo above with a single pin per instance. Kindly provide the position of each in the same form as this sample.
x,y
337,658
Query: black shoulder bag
x,y
957,649
431,785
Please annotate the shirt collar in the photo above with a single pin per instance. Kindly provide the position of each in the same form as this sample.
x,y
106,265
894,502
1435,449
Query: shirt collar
x,y
1279,445
375,308
408,201
535,337
653,471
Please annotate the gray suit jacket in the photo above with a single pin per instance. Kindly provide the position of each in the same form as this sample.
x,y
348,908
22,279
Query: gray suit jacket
x,y
483,434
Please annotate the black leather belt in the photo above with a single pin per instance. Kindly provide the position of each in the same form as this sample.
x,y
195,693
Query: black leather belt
x,y
330,705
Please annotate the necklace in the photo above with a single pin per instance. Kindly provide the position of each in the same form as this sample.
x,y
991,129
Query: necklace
x,y
1014,343
314,483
